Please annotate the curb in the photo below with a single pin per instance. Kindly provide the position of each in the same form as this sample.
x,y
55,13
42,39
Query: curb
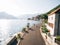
x,y
47,43
43,35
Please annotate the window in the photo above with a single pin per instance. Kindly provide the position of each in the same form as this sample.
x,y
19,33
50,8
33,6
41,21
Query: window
x,y
51,18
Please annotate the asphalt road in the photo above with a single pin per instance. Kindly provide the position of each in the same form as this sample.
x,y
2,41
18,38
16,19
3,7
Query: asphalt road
x,y
33,37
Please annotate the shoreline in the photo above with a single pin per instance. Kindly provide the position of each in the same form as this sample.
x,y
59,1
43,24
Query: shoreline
x,y
22,35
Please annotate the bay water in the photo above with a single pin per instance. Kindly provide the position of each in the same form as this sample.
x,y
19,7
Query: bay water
x,y
9,27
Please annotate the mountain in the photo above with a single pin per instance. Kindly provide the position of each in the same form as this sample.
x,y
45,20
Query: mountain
x,y
4,15
26,16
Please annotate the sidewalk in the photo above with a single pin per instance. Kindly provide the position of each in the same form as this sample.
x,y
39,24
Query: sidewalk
x,y
34,37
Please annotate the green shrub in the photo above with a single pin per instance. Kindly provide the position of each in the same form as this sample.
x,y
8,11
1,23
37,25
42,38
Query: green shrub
x,y
24,29
18,36
46,21
44,29
58,38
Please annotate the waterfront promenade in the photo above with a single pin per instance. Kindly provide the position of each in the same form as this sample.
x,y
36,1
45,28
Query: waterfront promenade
x,y
33,37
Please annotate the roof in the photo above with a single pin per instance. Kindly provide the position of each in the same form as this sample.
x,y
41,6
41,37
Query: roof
x,y
54,10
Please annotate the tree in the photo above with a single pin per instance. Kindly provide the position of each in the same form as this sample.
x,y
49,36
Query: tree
x,y
44,16
38,17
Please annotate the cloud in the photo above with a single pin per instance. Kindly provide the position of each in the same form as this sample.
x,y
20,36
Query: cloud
x,y
17,7
9,6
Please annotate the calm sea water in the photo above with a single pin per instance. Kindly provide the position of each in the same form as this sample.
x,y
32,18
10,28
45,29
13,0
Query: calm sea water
x,y
10,27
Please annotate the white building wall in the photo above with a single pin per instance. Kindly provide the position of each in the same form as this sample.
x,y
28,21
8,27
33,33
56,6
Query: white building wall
x,y
51,19
51,29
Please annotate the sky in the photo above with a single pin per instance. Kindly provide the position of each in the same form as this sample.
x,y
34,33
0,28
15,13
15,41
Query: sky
x,y
20,7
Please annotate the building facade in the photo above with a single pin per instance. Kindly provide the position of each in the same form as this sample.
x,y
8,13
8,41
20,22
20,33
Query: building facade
x,y
53,25
54,22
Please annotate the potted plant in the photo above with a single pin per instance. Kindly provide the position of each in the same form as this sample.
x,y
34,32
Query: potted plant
x,y
45,30
24,30
57,40
19,37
